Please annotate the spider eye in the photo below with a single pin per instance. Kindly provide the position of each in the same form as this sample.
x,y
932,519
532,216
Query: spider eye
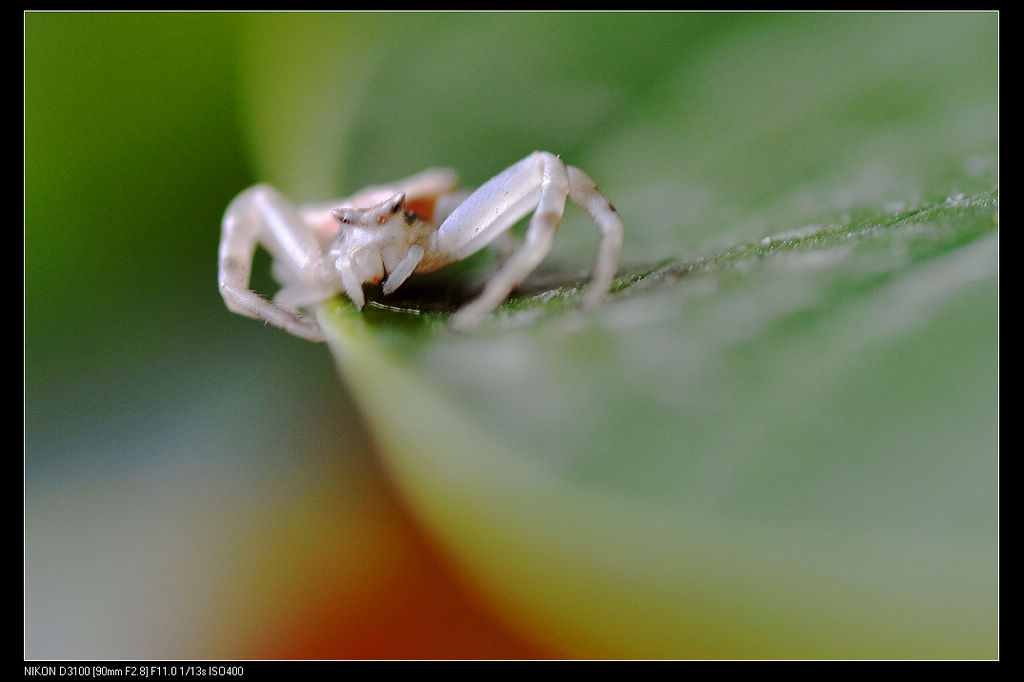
x,y
382,219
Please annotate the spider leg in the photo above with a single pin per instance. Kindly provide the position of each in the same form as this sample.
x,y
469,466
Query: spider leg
x,y
405,267
585,193
262,215
540,182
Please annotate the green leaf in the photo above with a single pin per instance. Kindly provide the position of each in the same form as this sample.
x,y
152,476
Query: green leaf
x,y
778,437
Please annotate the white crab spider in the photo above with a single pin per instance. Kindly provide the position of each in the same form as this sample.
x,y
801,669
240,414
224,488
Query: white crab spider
x,y
415,225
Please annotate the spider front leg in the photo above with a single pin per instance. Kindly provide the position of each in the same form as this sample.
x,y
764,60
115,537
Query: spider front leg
x,y
542,183
261,214
587,196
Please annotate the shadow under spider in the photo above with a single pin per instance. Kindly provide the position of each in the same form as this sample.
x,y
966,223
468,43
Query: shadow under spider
x,y
446,292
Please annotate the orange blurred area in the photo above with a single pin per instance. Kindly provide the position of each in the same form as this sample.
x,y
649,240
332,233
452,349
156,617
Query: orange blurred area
x,y
314,558
417,610
341,570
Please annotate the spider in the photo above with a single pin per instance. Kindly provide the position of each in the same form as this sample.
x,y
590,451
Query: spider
x,y
416,225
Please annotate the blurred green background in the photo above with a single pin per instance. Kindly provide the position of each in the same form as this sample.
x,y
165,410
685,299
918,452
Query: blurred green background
x,y
200,486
